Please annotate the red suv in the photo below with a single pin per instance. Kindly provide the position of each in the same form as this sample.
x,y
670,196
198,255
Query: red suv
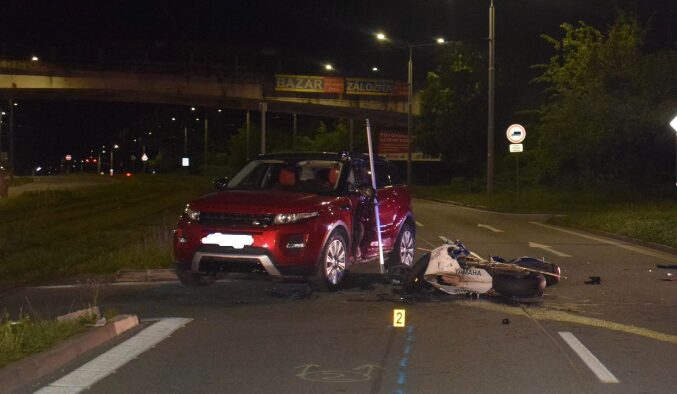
x,y
296,215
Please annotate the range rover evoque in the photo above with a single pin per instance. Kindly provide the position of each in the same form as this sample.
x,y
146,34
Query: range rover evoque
x,y
296,215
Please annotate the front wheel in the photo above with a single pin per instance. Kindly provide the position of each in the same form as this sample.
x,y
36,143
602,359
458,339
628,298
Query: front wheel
x,y
403,253
193,279
332,265
415,281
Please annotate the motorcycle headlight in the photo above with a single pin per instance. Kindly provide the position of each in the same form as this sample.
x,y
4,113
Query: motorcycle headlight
x,y
286,218
192,214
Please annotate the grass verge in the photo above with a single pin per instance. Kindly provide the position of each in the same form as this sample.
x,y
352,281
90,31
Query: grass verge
x,y
25,336
645,218
125,223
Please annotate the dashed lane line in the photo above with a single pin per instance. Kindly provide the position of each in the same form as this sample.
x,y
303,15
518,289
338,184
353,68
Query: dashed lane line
x,y
89,374
490,228
419,224
602,373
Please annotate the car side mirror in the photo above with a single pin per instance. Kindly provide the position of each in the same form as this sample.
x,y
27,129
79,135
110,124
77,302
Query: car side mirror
x,y
221,183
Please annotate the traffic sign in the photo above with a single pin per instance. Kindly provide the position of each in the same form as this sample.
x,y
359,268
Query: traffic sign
x,y
185,162
516,133
69,157
516,148
144,157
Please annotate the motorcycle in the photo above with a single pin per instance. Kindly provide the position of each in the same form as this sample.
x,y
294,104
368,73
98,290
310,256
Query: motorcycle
x,y
454,269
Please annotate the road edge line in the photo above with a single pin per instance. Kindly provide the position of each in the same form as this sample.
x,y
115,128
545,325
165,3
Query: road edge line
x,y
34,367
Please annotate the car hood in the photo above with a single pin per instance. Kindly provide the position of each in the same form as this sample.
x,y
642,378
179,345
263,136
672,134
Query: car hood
x,y
258,201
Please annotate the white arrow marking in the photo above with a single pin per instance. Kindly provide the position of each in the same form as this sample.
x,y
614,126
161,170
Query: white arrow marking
x,y
494,229
548,249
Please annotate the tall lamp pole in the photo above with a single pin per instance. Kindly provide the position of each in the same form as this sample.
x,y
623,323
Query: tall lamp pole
x,y
410,83
673,123
490,120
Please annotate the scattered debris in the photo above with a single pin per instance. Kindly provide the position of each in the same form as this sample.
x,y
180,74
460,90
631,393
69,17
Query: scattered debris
x,y
669,277
454,269
594,280
506,321
290,291
667,266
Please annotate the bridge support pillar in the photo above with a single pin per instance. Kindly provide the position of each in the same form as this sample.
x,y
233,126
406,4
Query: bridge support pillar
x,y
264,108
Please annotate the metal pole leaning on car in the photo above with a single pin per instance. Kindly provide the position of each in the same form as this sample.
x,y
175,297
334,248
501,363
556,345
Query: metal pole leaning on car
x,y
376,209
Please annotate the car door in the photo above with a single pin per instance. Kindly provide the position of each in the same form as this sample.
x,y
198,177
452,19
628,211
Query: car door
x,y
387,195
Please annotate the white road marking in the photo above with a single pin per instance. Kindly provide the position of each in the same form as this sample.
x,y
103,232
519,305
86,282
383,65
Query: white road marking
x,y
602,373
494,229
636,249
548,249
424,249
444,239
87,375
419,224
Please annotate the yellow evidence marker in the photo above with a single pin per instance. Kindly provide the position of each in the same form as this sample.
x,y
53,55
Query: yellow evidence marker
x,y
399,316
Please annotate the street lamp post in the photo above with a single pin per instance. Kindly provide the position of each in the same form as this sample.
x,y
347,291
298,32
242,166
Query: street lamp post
x,y
410,94
490,104
410,89
112,165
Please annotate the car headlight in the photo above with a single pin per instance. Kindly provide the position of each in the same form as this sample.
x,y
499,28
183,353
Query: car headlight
x,y
192,214
286,218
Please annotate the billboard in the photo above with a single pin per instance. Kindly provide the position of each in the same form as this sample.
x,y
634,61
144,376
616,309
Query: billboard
x,y
375,87
308,84
392,145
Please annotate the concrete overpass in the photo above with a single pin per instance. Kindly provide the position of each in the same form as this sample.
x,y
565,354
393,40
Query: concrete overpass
x,y
227,89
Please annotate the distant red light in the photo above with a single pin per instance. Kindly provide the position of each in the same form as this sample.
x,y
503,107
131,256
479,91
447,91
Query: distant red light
x,y
93,160
86,160
128,174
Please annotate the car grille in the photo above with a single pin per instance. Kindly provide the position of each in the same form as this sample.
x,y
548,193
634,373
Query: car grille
x,y
230,219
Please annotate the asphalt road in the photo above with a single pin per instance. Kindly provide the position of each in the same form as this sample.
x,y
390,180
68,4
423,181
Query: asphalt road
x,y
240,339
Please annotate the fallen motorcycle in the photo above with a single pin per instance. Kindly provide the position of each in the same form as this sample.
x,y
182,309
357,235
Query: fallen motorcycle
x,y
454,269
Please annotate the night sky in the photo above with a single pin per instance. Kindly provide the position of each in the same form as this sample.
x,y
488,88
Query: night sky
x,y
301,35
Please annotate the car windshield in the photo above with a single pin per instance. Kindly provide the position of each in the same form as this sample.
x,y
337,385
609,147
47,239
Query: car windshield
x,y
306,176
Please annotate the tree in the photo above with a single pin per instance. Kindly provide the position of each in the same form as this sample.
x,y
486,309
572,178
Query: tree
x,y
452,120
602,119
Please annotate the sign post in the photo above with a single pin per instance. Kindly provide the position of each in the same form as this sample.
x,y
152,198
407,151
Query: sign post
x,y
516,134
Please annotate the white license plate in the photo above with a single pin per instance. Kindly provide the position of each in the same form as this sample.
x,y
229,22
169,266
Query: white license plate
x,y
237,241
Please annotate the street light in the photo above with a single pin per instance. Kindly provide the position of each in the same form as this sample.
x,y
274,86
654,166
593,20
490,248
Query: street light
x,y
34,58
374,69
381,36
328,67
112,166
410,93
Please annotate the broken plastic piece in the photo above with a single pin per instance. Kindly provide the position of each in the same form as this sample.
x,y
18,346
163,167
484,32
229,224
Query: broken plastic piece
x,y
594,280
506,321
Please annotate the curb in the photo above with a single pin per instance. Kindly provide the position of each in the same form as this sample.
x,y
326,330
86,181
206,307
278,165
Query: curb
x,y
23,372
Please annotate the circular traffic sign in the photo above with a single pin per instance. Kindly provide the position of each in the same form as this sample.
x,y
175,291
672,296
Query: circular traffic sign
x,y
69,157
516,133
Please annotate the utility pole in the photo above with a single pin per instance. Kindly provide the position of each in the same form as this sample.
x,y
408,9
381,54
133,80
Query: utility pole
x,y
410,80
185,140
206,141
248,129
11,137
490,120
351,135
1,113
263,107
293,142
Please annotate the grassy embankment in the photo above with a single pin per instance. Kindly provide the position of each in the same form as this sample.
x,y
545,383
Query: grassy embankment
x,y
648,219
27,335
125,223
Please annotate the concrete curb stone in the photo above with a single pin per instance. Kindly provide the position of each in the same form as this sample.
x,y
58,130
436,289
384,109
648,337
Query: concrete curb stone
x,y
22,372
